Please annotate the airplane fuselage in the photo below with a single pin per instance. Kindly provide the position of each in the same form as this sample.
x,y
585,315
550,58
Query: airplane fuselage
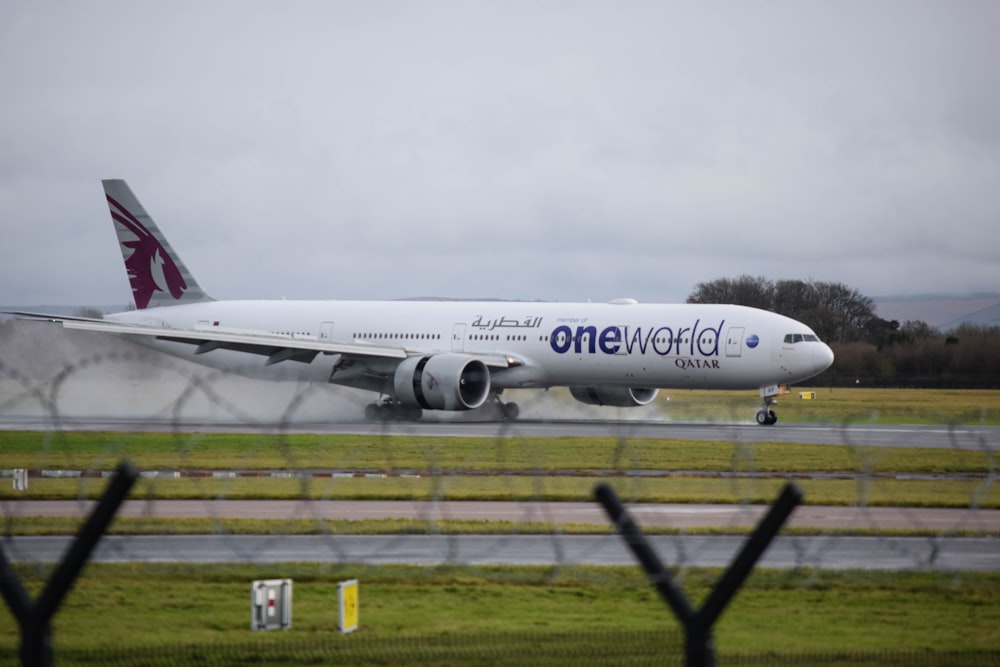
x,y
556,344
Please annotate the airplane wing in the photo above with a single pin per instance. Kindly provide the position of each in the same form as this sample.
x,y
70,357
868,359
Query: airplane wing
x,y
276,347
47,317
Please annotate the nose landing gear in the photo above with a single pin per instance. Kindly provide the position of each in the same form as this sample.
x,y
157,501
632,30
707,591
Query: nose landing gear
x,y
766,416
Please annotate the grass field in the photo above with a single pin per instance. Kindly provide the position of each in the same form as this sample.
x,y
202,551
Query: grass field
x,y
558,468
34,525
783,613
153,451
685,489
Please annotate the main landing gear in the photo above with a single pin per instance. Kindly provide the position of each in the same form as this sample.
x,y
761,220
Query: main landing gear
x,y
766,416
508,411
389,410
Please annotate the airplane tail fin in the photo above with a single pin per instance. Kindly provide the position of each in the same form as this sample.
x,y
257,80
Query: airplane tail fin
x,y
156,273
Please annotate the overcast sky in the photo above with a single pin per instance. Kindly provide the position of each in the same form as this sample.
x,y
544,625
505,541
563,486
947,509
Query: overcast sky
x,y
519,150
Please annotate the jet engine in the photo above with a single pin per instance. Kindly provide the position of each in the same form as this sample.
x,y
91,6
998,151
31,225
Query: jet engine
x,y
445,381
619,397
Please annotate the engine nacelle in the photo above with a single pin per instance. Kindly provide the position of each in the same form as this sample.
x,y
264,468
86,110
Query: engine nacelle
x,y
447,381
619,397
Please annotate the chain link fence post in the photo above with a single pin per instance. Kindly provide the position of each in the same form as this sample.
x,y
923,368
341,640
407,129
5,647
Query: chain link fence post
x,y
699,644
35,618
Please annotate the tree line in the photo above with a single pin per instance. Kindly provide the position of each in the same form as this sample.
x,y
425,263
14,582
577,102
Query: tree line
x,y
869,350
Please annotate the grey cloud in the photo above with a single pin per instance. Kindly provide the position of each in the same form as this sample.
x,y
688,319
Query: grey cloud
x,y
538,150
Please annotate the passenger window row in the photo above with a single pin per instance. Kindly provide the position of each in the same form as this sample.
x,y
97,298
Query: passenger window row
x,y
397,336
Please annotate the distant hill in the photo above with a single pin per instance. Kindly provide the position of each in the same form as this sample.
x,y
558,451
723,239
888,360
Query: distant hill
x,y
940,311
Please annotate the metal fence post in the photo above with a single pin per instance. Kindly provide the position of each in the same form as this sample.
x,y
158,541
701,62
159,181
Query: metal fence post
x,y
699,647
35,618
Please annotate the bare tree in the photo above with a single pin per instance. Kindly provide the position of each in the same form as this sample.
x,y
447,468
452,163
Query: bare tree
x,y
744,291
836,312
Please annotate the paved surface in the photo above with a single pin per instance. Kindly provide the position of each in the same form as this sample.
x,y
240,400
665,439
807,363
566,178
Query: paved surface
x,y
977,438
646,514
879,553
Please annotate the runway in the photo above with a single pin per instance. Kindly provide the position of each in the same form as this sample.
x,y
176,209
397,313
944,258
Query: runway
x,y
838,553
857,433
665,515
941,551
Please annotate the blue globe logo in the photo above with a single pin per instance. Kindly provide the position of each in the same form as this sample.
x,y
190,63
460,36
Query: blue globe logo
x,y
753,341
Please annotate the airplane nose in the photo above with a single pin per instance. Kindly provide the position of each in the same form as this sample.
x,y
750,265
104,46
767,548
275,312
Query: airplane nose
x,y
822,357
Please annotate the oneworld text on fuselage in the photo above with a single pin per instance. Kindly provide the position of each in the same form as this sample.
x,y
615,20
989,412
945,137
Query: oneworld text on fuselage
x,y
661,340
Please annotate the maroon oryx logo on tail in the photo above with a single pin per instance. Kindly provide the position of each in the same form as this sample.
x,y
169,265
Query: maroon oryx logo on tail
x,y
150,269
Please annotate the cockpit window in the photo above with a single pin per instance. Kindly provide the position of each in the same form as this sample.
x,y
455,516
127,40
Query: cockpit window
x,y
798,338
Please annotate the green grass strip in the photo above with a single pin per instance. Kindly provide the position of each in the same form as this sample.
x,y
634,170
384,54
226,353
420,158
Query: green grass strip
x,y
163,526
165,451
873,492
783,612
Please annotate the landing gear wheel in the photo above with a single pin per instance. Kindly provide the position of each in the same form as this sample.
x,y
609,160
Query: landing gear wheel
x,y
373,412
509,411
766,417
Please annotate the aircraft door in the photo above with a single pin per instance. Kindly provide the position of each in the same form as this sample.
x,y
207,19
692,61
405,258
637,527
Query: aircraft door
x,y
326,331
458,338
734,342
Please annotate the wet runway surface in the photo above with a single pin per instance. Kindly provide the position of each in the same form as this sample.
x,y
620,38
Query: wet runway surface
x,y
877,553
669,515
976,438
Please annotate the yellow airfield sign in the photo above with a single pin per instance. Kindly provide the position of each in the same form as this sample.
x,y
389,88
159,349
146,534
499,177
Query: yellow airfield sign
x,y
347,603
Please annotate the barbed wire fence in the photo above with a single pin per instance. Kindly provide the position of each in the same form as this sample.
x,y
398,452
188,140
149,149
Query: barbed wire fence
x,y
52,381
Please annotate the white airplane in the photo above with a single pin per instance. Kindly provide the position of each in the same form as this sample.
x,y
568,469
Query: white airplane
x,y
453,355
